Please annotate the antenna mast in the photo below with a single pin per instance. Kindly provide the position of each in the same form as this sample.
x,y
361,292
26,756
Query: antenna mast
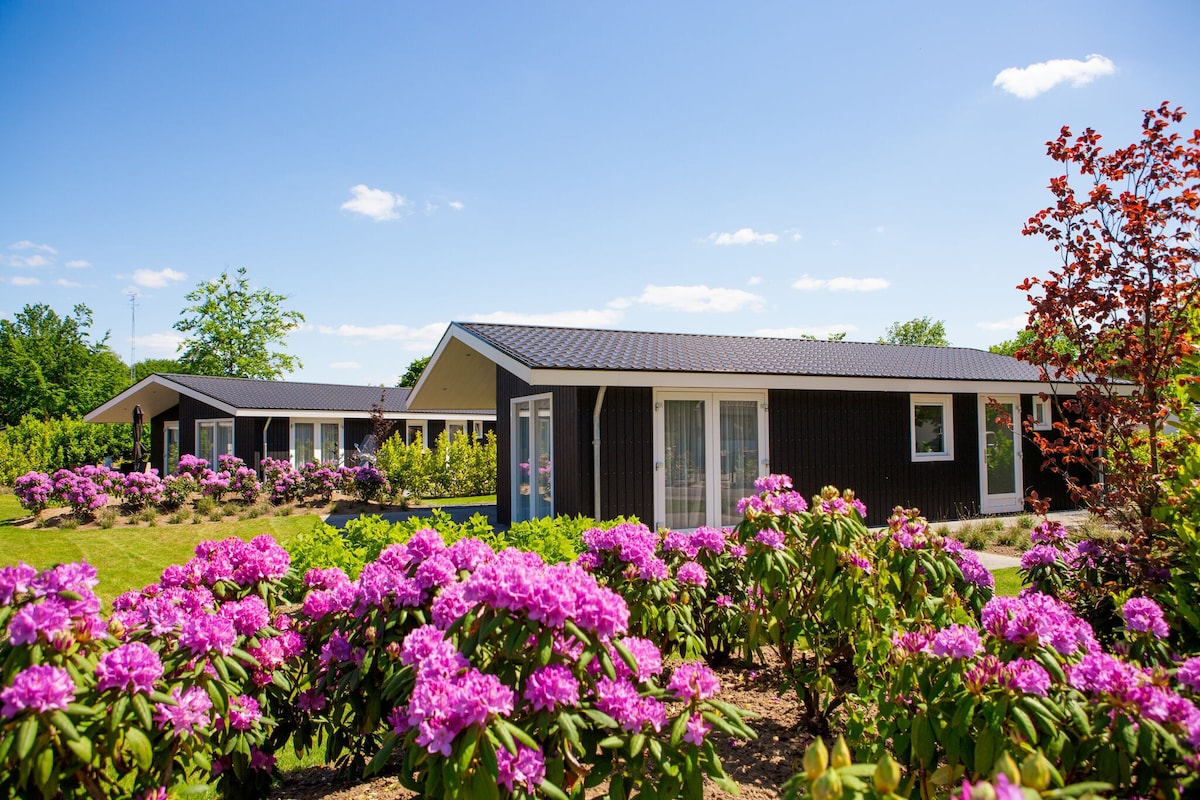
x,y
133,296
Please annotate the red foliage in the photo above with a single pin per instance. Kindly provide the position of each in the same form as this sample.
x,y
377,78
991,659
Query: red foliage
x,y
1111,321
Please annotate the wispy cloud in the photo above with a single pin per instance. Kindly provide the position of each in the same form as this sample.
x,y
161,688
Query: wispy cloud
x,y
699,298
743,236
157,279
22,280
425,336
1015,323
457,205
579,318
754,280
819,331
1028,82
33,262
66,284
807,284
345,365
165,344
25,244
78,263
378,204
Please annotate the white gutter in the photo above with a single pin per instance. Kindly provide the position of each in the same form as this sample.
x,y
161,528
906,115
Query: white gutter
x,y
596,449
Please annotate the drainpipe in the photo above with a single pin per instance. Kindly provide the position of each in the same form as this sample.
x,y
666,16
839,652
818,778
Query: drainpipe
x,y
596,448
261,470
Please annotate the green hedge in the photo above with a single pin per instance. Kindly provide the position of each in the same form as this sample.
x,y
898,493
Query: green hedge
x,y
48,445
462,467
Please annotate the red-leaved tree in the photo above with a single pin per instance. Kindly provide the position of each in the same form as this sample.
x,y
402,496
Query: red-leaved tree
x,y
1112,320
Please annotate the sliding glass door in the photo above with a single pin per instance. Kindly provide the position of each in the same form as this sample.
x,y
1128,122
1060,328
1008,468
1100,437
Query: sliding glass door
x,y
532,465
709,448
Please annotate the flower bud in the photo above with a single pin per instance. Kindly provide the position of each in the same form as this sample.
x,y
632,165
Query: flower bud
x,y
116,628
983,791
816,759
371,634
828,786
887,774
840,757
1035,772
1006,766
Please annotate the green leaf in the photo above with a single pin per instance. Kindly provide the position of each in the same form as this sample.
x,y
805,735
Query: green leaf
x,y
1024,724
61,721
553,792
385,752
82,748
611,743
139,747
26,735
142,709
43,767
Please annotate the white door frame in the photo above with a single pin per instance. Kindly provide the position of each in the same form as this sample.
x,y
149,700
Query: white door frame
x,y
1007,502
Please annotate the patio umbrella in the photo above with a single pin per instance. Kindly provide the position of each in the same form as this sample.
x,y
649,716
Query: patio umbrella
x,y
138,420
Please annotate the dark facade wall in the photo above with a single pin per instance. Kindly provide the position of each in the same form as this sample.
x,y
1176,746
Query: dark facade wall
x,y
353,432
247,440
158,439
1046,482
433,429
568,470
626,453
862,441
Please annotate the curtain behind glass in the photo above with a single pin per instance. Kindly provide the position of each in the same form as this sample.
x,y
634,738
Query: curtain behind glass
x,y
686,471
204,444
303,435
543,499
521,466
739,455
329,441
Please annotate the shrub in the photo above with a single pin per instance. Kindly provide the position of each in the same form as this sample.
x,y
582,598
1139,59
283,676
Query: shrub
x,y
35,491
142,489
35,445
177,491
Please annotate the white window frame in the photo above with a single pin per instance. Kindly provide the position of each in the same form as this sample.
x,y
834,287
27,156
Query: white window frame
x,y
216,422
477,428
170,425
317,435
514,466
713,398
1043,421
423,424
946,401
462,424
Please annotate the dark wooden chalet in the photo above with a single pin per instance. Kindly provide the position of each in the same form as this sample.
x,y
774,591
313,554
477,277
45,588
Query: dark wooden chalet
x,y
286,420
674,428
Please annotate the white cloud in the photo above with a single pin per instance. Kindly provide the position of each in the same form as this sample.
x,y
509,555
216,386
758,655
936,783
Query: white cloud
x,y
754,280
78,263
819,331
66,284
699,298
21,280
1029,82
743,236
377,204
808,284
1016,323
157,279
410,337
345,365
25,244
151,345
457,205
581,318
34,261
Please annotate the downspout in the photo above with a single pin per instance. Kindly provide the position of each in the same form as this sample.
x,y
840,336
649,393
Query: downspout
x,y
262,470
596,449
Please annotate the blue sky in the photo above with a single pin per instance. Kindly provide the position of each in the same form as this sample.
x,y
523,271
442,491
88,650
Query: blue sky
x,y
738,168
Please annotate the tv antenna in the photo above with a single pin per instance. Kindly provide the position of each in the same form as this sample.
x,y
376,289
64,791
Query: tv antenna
x,y
133,296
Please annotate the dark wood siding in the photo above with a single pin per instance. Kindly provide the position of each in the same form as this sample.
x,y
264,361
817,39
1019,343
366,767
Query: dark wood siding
x,y
862,441
1037,477
191,410
627,453
353,432
158,438
247,440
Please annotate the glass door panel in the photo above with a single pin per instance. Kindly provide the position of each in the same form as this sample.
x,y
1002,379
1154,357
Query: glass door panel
x,y
170,448
685,463
302,442
522,489
544,477
329,441
1001,449
739,455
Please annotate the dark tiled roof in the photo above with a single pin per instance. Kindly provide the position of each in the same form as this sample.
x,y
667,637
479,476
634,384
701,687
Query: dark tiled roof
x,y
290,395
588,349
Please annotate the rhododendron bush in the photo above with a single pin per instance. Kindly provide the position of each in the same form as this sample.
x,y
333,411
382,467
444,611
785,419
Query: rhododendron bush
x,y
479,671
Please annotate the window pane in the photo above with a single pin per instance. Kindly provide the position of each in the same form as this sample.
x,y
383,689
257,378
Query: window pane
x,y
928,427
1001,449
543,500
739,455
454,429
684,463
204,443
302,433
329,441
224,440
171,445
415,433
521,471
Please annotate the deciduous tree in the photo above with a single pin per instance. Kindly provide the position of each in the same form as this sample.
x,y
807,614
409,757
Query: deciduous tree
x,y
921,330
413,374
1124,226
233,330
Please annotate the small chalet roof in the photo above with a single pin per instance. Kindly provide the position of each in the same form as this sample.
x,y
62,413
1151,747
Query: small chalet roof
x,y
461,373
591,349
257,398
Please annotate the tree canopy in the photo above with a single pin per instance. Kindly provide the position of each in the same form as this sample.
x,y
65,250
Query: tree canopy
x,y
921,330
1123,225
413,374
51,366
233,330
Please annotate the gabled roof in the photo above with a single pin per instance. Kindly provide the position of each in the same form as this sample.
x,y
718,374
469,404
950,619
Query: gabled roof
x,y
462,370
258,398
590,349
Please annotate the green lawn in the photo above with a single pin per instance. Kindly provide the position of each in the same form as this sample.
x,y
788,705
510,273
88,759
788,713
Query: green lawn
x,y
1008,581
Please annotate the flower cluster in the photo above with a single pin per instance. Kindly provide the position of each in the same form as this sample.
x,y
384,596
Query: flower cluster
x,y
35,490
142,489
775,498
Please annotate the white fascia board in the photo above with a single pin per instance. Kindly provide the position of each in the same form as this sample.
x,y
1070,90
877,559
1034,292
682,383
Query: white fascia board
x,y
716,380
131,393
